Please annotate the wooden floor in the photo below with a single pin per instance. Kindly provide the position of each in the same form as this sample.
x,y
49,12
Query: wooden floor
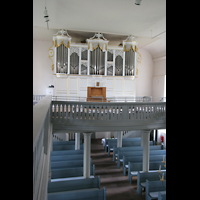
x,y
117,185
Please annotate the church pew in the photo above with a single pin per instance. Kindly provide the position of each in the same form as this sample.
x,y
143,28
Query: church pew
x,y
151,176
114,140
138,159
133,168
91,194
68,164
153,188
161,196
66,147
136,148
126,142
66,157
67,152
70,185
117,149
70,172
55,143
137,153
106,143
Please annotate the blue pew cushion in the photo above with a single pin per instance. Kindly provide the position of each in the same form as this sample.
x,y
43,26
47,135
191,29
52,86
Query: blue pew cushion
x,y
134,173
143,184
68,179
155,194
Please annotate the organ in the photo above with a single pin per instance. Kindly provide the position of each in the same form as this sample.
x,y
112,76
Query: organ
x,y
95,57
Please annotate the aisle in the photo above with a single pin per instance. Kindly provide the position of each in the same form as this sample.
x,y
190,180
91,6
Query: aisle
x,y
117,185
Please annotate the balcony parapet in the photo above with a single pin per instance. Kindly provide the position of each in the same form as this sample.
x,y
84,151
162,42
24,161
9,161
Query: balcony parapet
x,y
107,116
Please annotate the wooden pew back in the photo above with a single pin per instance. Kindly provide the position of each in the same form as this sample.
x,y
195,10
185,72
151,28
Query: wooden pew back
x,y
67,152
68,164
63,186
70,172
92,194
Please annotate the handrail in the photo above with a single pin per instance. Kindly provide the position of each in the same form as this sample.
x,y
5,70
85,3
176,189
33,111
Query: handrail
x,y
41,146
37,98
106,99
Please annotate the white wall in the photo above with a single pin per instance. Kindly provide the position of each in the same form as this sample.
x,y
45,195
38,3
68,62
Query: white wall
x,y
158,81
42,73
104,134
145,73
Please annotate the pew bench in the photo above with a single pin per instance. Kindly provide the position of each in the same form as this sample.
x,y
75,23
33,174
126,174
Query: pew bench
x,y
71,142
137,159
121,149
153,188
135,148
67,152
137,153
126,142
68,164
64,174
114,141
121,154
91,194
66,147
161,196
143,176
133,168
106,143
76,184
66,157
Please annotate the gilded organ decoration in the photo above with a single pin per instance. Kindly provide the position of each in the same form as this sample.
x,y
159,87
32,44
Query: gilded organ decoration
x,y
138,61
51,55
96,41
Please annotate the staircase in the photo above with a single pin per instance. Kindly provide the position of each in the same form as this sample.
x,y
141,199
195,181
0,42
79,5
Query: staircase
x,y
131,134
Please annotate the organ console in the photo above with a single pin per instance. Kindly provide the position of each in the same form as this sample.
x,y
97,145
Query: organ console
x,y
96,94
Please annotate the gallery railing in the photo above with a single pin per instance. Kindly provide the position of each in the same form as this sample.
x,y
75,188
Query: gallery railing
x,y
63,110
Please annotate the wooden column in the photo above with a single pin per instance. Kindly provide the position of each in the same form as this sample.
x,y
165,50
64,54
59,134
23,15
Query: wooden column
x,y
86,159
145,144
